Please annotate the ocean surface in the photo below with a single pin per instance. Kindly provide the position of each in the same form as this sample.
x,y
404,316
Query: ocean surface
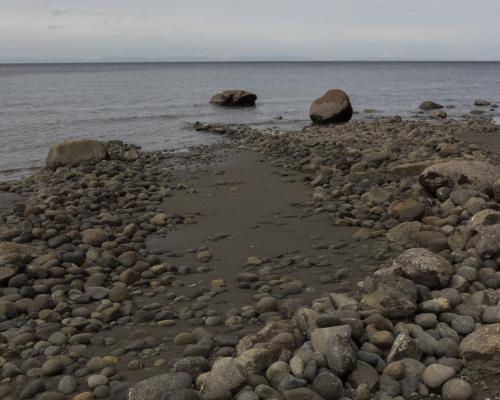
x,y
155,104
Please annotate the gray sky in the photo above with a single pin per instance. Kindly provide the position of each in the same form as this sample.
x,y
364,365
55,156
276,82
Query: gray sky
x,y
313,29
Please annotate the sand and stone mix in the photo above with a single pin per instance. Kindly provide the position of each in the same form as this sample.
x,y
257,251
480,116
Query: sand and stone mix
x,y
352,261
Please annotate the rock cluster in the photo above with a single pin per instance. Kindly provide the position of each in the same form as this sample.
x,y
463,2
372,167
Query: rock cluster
x,y
424,319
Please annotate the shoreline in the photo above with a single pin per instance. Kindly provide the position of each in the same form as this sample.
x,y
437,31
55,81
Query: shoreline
x,y
186,281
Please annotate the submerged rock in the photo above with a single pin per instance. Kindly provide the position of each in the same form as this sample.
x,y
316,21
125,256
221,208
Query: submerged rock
x,y
430,105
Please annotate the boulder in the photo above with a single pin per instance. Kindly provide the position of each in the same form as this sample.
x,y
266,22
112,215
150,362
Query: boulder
x,y
333,106
425,268
481,349
390,295
481,103
430,105
477,175
488,241
73,152
234,98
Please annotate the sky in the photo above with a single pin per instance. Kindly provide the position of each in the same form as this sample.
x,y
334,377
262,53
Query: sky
x,y
251,29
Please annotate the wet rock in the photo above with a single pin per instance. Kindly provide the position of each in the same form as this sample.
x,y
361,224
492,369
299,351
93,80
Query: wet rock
x,y
429,105
73,152
234,98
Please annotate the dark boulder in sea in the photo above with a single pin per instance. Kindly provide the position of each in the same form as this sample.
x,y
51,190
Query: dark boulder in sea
x,y
234,98
481,103
73,152
430,105
333,106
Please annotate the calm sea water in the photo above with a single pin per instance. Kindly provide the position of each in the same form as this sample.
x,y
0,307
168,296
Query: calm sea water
x,y
154,105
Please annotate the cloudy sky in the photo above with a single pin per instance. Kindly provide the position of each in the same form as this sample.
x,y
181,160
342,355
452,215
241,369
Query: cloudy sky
x,y
310,29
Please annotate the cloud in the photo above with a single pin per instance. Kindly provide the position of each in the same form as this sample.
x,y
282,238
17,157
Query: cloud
x,y
55,27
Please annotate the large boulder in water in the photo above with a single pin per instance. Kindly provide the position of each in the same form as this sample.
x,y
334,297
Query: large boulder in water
x,y
234,98
74,152
476,175
333,106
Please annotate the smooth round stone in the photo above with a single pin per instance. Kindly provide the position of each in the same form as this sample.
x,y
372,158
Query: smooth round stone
x,y
96,380
67,384
101,391
57,339
426,320
32,389
436,374
456,389
52,367
463,324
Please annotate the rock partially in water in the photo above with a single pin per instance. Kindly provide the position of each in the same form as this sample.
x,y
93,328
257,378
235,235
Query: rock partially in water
x,y
334,106
73,152
234,98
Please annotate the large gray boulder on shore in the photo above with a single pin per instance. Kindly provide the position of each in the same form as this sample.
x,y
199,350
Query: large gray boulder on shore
x,y
334,106
74,152
476,175
234,98
424,267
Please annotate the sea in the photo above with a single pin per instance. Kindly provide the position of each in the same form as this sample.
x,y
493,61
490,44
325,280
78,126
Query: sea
x,y
154,105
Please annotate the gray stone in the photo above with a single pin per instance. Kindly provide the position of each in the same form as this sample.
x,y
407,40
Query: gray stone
x,y
334,106
436,374
154,388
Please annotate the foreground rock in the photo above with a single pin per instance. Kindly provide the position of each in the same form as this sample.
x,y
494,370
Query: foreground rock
x,y
73,152
481,349
234,98
333,107
476,175
424,267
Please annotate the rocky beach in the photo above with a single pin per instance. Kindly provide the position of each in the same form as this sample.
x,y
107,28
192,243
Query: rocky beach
x,y
344,261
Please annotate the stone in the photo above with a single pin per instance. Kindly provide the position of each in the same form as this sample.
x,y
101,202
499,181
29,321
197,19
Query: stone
x,y
481,349
5,274
457,389
430,105
96,380
67,384
488,242
32,389
404,347
234,98
340,355
94,237
364,373
328,386
73,152
321,336
333,107
155,387
226,374
406,210
481,103
52,367
392,296
435,375
476,175
425,268
301,394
